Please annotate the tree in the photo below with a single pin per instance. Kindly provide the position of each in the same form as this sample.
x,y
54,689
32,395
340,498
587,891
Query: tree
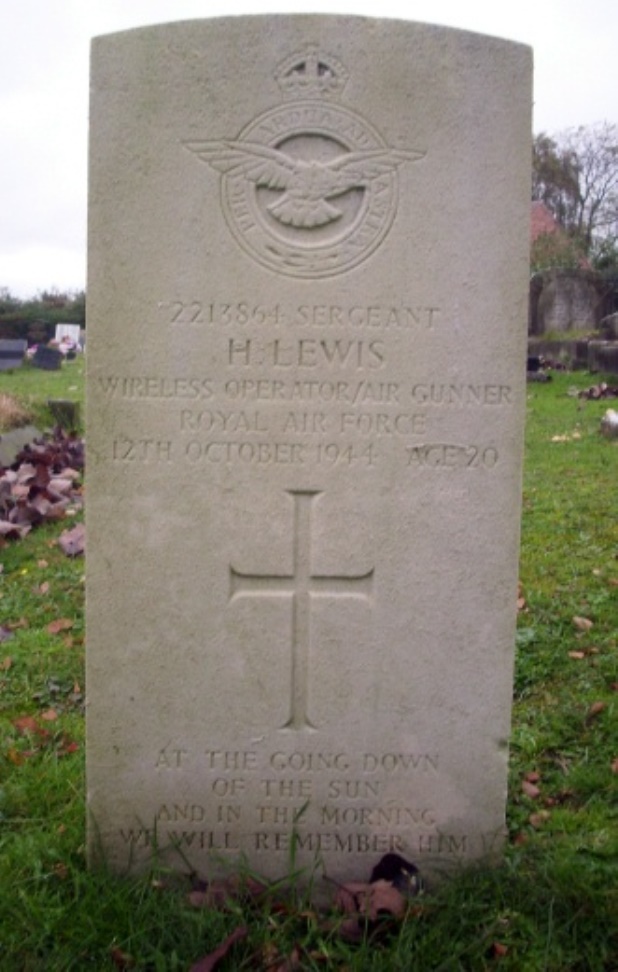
x,y
575,173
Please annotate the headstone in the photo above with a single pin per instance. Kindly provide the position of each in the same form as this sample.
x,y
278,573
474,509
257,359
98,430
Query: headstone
x,y
12,443
609,327
563,300
70,331
307,321
12,353
49,359
603,357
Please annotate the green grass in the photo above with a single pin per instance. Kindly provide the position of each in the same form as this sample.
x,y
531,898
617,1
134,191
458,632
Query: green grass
x,y
552,906
33,387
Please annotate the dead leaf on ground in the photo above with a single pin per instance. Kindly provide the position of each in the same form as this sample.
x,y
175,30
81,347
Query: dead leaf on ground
x,y
595,709
577,655
68,746
615,766
370,901
50,715
16,757
122,960
26,724
61,624
73,542
6,663
582,624
220,894
43,588
537,820
530,789
210,961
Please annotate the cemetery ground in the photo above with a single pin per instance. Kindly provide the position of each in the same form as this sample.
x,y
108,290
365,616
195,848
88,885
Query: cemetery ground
x,y
552,905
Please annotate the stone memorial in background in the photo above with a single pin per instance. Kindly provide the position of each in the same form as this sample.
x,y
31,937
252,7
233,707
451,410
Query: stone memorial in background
x,y
307,327
12,352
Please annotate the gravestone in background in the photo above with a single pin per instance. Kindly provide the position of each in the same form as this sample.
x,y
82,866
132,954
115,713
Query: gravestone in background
x,y
47,358
12,351
70,331
307,322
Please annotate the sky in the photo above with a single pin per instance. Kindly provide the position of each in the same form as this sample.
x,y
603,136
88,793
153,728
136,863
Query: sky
x,y
44,63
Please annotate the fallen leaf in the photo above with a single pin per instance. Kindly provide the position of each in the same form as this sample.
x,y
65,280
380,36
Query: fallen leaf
x,y
210,961
530,789
68,747
26,724
499,949
6,663
577,655
42,564
369,901
60,486
595,709
220,894
61,624
533,776
537,820
73,542
122,960
615,766
50,715
582,624
291,963
43,588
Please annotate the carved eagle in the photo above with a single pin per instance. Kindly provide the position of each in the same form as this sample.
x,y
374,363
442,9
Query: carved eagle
x,y
307,185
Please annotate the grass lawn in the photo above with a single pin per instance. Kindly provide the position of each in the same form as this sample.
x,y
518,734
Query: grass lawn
x,y
552,906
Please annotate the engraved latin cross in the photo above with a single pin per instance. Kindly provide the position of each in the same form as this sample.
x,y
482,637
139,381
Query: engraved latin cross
x,y
300,586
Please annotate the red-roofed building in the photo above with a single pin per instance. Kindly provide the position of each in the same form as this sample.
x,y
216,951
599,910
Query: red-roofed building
x,y
542,221
551,246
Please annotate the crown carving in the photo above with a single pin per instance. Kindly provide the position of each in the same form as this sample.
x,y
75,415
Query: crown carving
x,y
311,74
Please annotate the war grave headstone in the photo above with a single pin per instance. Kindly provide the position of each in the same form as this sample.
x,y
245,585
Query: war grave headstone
x,y
307,329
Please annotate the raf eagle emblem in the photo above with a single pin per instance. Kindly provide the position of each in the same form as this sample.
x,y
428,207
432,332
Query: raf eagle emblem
x,y
307,186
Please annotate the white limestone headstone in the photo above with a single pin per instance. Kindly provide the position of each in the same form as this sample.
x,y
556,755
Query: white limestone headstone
x,y
306,324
